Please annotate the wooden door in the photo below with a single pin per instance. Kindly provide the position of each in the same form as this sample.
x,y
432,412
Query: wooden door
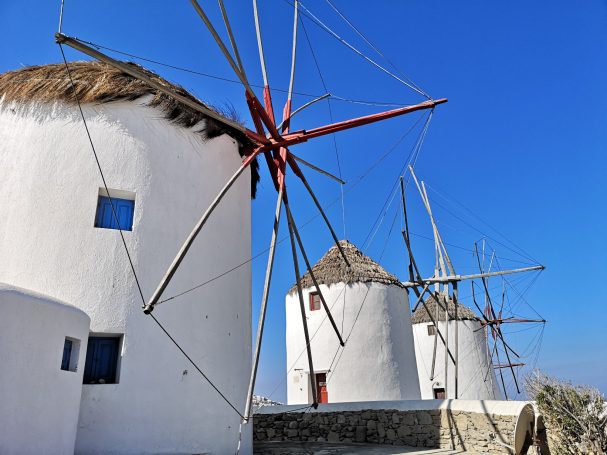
x,y
321,388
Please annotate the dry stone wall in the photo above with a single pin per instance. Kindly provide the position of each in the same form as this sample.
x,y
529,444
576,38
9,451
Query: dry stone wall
x,y
438,428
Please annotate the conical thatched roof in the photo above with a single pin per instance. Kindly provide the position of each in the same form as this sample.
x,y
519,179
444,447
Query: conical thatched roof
x,y
332,269
463,312
98,82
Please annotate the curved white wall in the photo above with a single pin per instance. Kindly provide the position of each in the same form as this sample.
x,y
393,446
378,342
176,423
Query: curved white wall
x,y
49,184
39,401
378,362
476,378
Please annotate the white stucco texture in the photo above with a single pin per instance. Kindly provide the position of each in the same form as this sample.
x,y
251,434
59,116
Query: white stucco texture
x,y
50,184
39,402
378,361
476,377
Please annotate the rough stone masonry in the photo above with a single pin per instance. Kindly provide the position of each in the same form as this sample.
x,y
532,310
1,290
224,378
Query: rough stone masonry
x,y
439,428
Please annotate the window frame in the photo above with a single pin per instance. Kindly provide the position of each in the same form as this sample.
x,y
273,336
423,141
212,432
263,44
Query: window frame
x,y
314,304
93,372
431,329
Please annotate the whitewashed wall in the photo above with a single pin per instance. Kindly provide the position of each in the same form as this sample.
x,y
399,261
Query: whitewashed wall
x,y
476,378
378,362
39,402
49,184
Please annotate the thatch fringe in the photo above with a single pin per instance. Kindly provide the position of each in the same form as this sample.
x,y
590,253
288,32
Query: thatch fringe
x,y
97,82
463,312
332,269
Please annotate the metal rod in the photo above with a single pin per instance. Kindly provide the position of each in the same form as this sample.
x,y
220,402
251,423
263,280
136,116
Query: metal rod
x,y
405,233
301,108
324,216
166,279
294,51
447,320
226,21
456,376
311,272
303,314
262,59
317,169
134,72
264,303
455,278
222,46
434,321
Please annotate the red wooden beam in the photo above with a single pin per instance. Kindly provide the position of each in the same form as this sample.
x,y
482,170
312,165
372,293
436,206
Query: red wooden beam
x,y
304,135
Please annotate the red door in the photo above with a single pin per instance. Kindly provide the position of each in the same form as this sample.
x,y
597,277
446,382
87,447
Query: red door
x,y
321,388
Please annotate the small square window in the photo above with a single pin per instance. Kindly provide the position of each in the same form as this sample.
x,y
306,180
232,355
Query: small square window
x,y
102,360
431,329
71,350
439,393
124,206
314,301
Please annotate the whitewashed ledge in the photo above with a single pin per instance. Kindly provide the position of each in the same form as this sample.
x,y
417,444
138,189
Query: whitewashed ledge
x,y
498,407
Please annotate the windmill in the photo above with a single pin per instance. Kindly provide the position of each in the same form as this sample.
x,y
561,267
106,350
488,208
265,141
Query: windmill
x,y
442,288
271,139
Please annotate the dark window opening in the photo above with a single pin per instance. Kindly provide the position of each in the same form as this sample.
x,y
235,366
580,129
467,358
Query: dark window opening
x,y
101,360
71,350
439,394
431,329
105,218
67,354
314,301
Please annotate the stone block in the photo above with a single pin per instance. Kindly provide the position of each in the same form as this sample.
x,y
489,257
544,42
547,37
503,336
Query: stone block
x,y
292,433
395,418
293,424
390,434
381,431
360,434
341,419
424,418
403,430
333,436
409,419
371,424
271,432
366,415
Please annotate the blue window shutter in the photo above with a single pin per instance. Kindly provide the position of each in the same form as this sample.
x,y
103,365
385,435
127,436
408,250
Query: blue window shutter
x,y
124,211
101,360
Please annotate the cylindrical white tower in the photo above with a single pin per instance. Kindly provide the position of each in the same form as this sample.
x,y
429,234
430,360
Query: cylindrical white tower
x,y
371,309
476,378
163,163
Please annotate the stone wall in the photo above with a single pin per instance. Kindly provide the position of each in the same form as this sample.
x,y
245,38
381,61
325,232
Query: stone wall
x,y
435,428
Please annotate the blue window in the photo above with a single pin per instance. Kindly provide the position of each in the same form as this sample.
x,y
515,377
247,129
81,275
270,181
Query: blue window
x,y
67,354
101,360
71,350
124,211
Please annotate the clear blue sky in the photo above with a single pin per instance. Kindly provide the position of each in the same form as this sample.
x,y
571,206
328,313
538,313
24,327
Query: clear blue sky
x,y
521,142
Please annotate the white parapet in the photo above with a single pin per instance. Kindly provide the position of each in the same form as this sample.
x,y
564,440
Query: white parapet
x,y
42,352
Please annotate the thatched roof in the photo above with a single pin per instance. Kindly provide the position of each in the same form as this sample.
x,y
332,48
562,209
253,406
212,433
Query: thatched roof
x,y
98,82
332,269
463,312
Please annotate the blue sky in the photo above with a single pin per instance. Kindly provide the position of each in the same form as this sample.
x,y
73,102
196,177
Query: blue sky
x,y
521,142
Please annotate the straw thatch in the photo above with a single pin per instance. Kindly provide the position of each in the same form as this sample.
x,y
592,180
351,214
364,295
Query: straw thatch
x,y
97,82
463,312
332,269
